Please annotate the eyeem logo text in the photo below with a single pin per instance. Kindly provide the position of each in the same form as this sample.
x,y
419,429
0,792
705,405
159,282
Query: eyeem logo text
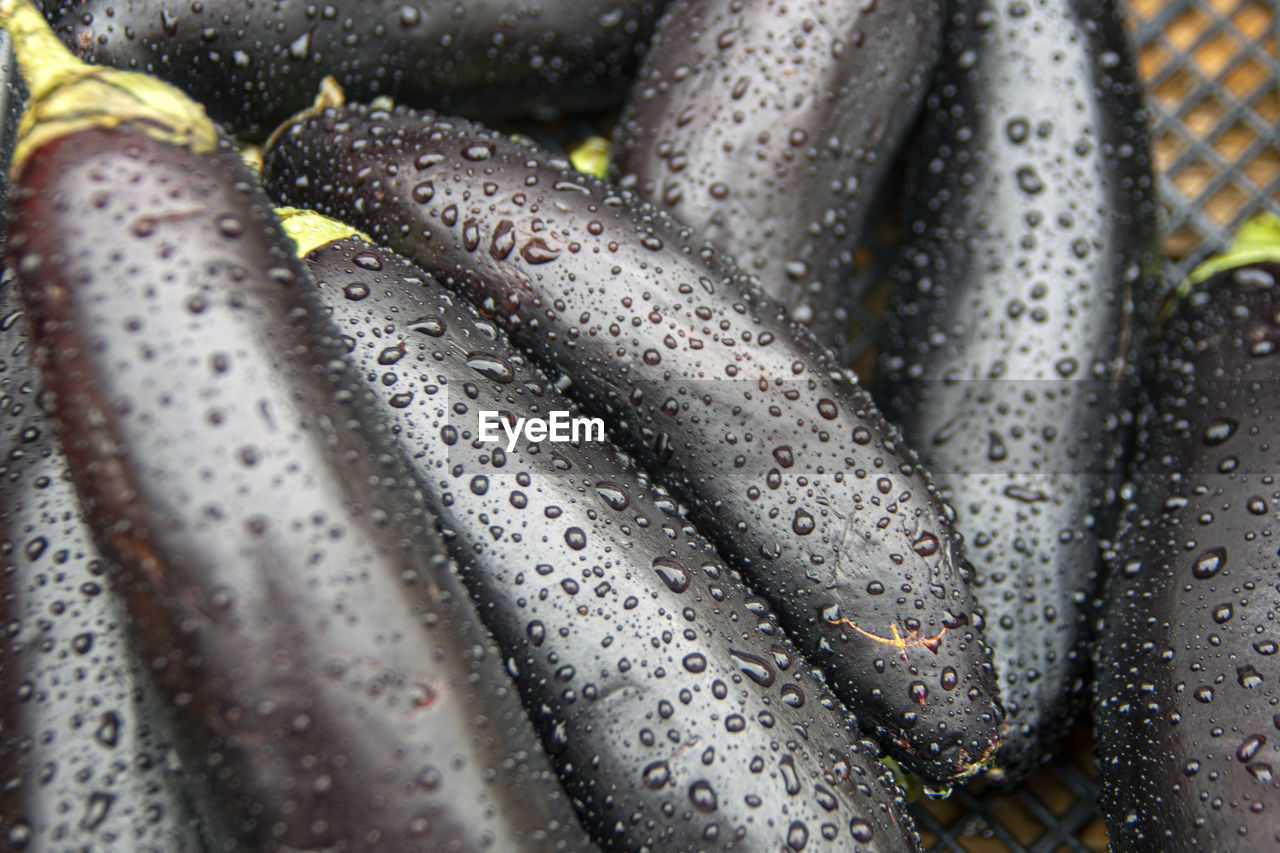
x,y
559,427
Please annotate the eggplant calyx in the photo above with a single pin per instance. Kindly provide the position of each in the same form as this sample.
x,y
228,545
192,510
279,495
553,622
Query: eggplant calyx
x,y
311,230
68,95
329,96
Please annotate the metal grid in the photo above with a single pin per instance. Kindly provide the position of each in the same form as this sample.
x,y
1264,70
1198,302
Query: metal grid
x,y
1212,73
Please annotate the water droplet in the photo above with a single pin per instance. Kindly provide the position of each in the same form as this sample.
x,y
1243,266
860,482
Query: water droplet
x,y
797,835
755,668
1016,129
1248,677
367,261
803,523
536,632
1250,746
36,547
575,538
427,159
96,809
674,575
613,495
300,47
1025,494
702,796
229,226
423,192
656,775
536,251
491,366
790,778
408,16
470,235
430,326
1028,181
477,151
1209,563
861,831
1219,431
926,545
695,662
504,239
792,696
108,731
391,355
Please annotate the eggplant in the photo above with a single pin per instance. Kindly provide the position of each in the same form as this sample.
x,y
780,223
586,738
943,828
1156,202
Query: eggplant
x,y
782,458
769,127
666,694
328,678
253,64
1019,298
84,739
1188,735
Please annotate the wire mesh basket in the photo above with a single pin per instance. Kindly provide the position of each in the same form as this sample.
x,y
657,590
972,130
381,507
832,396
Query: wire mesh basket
x,y
1212,74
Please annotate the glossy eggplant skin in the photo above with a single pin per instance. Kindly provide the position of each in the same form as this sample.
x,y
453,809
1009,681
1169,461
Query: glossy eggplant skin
x,y
84,739
768,128
667,695
253,63
1188,735
1018,301
780,455
329,678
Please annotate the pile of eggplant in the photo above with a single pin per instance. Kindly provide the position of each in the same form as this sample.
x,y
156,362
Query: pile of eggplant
x,y
375,479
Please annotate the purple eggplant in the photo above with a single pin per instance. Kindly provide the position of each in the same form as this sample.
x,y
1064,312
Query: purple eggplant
x,y
253,63
1187,708
780,455
667,695
329,680
1024,287
768,127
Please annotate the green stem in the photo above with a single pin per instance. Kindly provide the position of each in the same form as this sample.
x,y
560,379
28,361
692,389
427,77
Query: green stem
x,y
1257,240
44,60
310,230
68,95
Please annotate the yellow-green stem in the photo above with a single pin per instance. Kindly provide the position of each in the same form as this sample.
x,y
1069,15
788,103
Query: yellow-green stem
x,y
310,230
591,155
67,95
